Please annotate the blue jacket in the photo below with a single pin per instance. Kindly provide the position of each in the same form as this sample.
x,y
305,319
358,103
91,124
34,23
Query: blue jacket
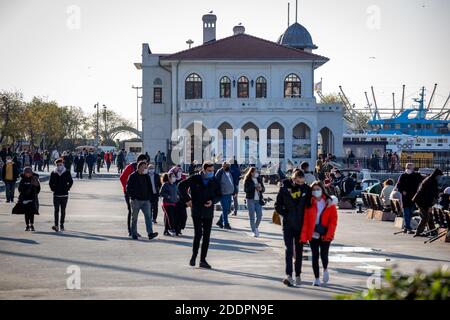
x,y
219,175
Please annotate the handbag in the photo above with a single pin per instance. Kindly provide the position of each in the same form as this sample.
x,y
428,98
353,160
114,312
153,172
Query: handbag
x,y
276,218
320,229
18,208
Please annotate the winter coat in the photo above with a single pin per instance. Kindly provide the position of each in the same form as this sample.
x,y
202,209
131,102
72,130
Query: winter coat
x,y
200,193
139,187
328,219
15,170
60,184
291,202
129,169
408,183
250,188
169,193
79,163
427,193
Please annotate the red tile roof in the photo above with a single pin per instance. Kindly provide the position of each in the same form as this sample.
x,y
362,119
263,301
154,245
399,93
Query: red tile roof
x,y
242,47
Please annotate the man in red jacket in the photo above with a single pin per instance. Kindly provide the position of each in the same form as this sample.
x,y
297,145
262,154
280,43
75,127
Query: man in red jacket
x,y
132,167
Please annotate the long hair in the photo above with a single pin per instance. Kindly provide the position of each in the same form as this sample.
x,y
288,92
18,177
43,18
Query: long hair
x,y
249,173
324,191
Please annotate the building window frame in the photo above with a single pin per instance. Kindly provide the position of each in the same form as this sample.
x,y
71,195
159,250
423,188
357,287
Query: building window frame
x,y
292,86
261,87
193,87
157,95
225,87
243,88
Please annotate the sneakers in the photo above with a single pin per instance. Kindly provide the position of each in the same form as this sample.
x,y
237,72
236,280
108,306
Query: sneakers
x,y
227,226
316,283
256,233
204,264
219,224
61,228
27,228
55,228
298,280
154,221
326,276
152,235
192,261
32,228
289,281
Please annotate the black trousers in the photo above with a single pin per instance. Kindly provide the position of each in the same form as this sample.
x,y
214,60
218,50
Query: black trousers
x,y
202,229
294,249
127,200
181,215
60,203
169,218
154,202
425,214
80,174
91,169
29,219
319,248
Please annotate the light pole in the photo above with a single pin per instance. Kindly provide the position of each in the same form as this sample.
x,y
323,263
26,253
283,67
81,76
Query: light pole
x,y
96,133
137,107
104,119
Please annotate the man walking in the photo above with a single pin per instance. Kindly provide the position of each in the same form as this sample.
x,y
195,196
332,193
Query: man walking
x,y
155,181
10,173
408,183
60,183
204,193
79,165
90,161
228,190
132,167
139,190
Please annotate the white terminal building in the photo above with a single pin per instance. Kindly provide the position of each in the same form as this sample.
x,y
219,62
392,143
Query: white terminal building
x,y
240,96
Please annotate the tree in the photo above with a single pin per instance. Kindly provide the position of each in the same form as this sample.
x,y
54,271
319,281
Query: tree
x,y
356,119
11,111
74,121
109,121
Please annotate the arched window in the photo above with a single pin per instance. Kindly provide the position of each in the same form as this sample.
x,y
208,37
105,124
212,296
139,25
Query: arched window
x,y
157,82
292,86
193,87
225,87
261,87
242,90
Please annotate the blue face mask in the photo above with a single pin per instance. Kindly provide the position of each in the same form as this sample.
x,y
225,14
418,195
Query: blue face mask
x,y
209,175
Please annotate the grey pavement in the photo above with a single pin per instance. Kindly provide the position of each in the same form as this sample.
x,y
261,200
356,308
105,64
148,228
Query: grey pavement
x,y
34,265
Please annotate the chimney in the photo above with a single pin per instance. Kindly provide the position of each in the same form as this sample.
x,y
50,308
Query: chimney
x,y
209,27
239,29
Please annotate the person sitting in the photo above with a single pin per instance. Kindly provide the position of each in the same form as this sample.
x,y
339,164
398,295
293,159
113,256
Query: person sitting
x,y
444,199
388,186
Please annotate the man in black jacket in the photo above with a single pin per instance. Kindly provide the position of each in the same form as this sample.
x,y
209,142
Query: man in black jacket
x,y
408,183
292,198
60,183
139,190
204,193
155,182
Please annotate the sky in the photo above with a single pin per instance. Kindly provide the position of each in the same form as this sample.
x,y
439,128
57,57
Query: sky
x,y
81,52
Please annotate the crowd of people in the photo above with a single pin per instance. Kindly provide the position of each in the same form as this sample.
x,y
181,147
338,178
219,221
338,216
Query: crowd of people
x,y
306,202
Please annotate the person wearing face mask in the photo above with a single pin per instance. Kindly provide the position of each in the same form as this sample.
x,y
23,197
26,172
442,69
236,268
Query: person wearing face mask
x,y
424,199
155,181
228,190
29,188
90,161
319,227
169,193
204,192
79,165
139,190
60,183
293,196
407,185
254,189
10,174
309,177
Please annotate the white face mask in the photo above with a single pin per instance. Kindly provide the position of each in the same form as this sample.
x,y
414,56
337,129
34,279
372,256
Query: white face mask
x,y
408,171
60,168
173,179
317,193
256,175
145,171
151,171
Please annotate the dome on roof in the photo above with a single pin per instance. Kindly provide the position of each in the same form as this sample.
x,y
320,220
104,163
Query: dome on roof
x,y
296,36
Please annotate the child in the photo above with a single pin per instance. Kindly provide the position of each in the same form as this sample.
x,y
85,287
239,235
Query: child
x,y
169,193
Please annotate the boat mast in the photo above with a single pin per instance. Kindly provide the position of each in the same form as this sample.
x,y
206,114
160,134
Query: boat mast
x,y
432,96
376,112
369,105
403,99
393,104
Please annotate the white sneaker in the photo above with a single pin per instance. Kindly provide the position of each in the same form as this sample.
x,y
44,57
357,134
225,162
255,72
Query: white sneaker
x,y
298,281
326,276
316,282
256,233
289,281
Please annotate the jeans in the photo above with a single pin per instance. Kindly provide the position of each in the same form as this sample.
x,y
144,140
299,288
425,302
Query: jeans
x,y
407,215
202,228
254,207
225,202
60,202
145,206
319,248
10,187
292,244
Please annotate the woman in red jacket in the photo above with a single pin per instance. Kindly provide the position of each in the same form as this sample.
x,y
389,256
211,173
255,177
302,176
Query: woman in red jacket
x,y
319,226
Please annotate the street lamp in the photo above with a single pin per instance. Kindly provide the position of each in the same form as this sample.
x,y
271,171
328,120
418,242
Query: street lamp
x,y
96,106
104,119
137,107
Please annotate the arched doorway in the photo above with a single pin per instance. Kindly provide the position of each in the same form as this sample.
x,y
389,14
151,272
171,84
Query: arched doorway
x,y
250,143
198,143
325,141
301,141
275,142
225,141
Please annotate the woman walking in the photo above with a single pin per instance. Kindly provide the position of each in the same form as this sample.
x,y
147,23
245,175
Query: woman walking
x,y
29,188
319,227
254,189
169,193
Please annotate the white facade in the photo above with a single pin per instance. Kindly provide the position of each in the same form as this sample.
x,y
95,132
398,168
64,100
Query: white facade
x,y
174,111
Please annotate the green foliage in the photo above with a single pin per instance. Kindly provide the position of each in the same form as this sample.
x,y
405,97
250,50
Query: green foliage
x,y
419,286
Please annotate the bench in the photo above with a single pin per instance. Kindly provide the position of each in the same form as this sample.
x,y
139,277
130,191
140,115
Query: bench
x,y
441,219
398,211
